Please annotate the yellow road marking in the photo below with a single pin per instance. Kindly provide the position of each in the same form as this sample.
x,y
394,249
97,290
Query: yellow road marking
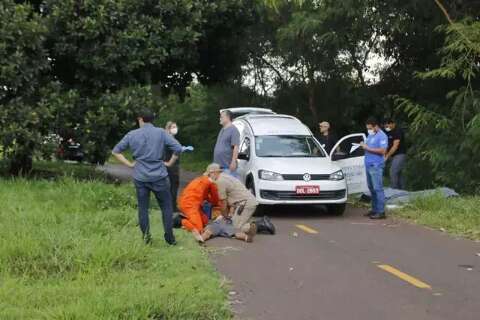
x,y
307,229
405,277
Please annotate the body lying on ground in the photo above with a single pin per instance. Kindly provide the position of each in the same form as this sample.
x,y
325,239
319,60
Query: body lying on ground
x,y
235,203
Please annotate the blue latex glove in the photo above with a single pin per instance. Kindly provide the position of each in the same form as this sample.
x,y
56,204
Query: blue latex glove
x,y
187,148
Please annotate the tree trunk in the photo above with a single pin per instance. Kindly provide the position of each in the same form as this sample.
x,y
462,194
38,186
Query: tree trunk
x,y
311,101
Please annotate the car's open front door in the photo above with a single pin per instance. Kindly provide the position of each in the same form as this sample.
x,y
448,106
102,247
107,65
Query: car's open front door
x,y
348,154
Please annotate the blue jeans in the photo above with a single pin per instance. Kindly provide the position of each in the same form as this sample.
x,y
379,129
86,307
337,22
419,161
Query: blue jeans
x,y
231,173
161,190
375,185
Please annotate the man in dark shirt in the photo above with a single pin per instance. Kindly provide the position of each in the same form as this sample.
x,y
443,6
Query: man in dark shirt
x,y
397,153
326,139
148,144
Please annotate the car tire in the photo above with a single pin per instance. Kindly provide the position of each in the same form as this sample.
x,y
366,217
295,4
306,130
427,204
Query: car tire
x,y
251,186
337,209
260,211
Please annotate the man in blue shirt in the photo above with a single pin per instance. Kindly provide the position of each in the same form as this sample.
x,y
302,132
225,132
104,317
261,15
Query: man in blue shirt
x,y
375,150
148,144
228,142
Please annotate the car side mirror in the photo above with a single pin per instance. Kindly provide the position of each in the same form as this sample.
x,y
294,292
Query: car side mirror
x,y
243,156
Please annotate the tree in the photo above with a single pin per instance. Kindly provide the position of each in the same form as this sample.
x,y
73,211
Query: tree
x,y
23,64
97,60
448,133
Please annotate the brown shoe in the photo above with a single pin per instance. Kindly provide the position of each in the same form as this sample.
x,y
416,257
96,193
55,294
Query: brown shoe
x,y
251,232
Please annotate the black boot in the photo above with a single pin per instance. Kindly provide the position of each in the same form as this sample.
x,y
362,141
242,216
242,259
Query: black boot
x,y
177,220
264,225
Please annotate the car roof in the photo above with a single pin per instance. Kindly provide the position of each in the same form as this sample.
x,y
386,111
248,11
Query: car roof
x,y
248,110
275,124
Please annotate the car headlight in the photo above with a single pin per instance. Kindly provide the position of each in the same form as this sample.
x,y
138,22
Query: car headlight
x,y
269,175
338,175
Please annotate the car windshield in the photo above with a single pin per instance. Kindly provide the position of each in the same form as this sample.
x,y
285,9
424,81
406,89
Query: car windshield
x,y
288,147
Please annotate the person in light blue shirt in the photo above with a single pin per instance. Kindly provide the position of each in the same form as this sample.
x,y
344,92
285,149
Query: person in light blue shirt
x,y
148,145
375,149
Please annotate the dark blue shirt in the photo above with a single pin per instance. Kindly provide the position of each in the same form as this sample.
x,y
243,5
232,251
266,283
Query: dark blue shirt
x,y
376,140
148,145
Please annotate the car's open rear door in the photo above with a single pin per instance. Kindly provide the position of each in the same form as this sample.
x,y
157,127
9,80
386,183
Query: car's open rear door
x,y
349,156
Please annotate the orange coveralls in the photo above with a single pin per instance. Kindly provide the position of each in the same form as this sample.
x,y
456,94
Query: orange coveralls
x,y
190,202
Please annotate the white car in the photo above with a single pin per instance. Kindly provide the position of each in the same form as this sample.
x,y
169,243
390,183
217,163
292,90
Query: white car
x,y
241,111
281,162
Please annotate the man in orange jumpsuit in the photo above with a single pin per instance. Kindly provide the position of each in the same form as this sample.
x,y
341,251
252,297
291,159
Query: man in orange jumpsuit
x,y
190,203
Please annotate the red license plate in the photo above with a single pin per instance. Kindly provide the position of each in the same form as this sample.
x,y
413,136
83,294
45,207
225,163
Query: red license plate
x,y
307,190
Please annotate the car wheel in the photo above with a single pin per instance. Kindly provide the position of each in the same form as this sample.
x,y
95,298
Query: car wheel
x,y
260,211
337,209
251,187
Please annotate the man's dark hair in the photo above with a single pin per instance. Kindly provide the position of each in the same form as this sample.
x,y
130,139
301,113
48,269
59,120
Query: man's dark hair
x,y
228,113
146,114
389,121
372,121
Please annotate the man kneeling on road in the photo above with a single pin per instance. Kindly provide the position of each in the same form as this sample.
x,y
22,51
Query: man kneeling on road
x,y
190,203
237,207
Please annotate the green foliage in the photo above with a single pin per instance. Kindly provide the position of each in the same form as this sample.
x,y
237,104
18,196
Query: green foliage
x,y
81,68
23,60
448,133
110,117
79,255
198,114
98,45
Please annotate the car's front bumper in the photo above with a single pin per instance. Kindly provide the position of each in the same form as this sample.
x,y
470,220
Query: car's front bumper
x,y
284,192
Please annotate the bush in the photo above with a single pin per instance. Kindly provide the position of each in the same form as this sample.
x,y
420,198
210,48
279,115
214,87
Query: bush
x,y
447,135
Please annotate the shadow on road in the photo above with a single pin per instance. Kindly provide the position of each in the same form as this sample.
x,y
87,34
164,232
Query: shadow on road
x,y
316,212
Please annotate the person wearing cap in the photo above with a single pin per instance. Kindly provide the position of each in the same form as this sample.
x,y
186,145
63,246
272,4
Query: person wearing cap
x,y
148,145
326,138
190,203
234,203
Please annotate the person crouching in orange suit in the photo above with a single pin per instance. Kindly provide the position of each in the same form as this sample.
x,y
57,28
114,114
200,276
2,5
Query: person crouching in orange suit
x,y
190,203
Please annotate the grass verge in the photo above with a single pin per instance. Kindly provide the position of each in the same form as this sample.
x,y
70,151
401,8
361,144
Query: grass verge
x,y
72,250
459,216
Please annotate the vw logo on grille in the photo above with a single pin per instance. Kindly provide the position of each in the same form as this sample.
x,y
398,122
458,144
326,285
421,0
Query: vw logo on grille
x,y
307,177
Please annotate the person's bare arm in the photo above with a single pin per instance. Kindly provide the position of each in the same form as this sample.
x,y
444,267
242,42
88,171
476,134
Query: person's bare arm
x,y
233,164
393,149
172,160
121,158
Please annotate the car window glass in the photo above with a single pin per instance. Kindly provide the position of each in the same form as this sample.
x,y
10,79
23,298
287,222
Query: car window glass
x,y
288,146
348,148
245,148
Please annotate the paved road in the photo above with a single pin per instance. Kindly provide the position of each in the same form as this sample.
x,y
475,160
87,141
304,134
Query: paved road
x,y
338,268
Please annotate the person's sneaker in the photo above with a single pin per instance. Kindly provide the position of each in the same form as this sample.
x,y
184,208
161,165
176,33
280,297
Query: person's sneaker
x,y
369,213
269,225
378,216
251,232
